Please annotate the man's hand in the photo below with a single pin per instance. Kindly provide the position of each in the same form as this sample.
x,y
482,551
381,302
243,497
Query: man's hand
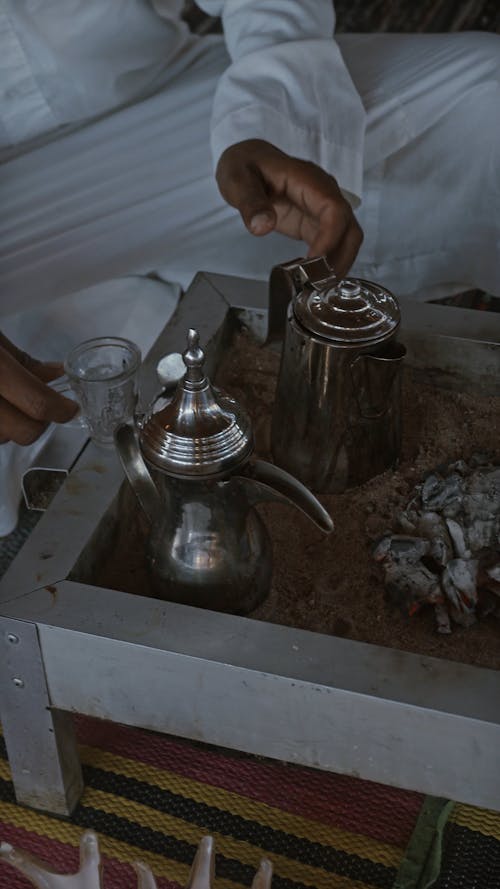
x,y
27,404
275,192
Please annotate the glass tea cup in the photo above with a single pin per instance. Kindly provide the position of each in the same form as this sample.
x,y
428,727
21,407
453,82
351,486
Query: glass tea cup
x,y
102,374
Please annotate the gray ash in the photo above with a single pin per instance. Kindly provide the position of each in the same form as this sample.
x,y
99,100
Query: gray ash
x,y
445,550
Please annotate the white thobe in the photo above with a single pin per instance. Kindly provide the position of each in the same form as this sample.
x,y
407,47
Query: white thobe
x,y
108,111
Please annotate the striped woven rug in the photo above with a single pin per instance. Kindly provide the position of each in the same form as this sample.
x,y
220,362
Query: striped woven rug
x,y
151,797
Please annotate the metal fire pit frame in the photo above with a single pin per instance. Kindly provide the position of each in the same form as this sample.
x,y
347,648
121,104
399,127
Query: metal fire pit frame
x,y
410,721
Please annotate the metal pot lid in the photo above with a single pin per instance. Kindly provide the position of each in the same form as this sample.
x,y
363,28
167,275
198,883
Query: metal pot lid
x,y
201,431
352,311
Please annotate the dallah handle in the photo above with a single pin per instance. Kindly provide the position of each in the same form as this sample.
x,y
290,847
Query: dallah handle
x,y
280,485
134,467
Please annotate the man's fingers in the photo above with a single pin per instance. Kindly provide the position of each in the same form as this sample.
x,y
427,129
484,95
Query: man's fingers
x,y
273,190
258,221
340,252
16,426
247,193
343,257
242,186
331,230
328,223
44,370
26,392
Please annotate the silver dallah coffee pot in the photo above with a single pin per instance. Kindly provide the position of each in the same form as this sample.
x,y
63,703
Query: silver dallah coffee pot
x,y
189,465
337,414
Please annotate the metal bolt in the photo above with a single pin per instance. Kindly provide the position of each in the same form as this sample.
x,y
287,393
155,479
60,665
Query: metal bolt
x,y
13,639
19,683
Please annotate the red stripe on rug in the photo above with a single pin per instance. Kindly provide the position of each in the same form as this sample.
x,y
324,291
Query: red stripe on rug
x,y
383,813
64,859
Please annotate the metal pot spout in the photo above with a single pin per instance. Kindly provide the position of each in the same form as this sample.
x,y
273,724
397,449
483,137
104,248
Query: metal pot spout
x,y
269,482
127,444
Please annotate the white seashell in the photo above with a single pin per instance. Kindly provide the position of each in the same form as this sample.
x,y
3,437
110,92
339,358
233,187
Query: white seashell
x,y
90,874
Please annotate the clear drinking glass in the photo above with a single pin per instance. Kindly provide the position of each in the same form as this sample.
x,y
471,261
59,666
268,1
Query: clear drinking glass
x,y
103,373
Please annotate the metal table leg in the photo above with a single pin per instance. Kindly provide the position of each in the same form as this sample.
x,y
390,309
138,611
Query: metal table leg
x,y
40,742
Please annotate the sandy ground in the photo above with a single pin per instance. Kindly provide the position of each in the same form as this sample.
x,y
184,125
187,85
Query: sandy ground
x,y
331,584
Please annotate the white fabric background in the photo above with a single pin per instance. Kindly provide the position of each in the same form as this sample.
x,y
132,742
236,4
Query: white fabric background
x,y
91,209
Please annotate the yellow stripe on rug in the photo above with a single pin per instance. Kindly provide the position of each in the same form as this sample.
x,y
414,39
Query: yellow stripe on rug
x,y
483,821
241,806
229,847
65,832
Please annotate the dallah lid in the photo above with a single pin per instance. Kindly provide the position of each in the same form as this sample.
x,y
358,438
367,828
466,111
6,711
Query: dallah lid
x,y
202,431
351,311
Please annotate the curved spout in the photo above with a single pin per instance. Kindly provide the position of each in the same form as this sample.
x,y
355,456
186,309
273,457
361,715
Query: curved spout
x,y
285,488
127,444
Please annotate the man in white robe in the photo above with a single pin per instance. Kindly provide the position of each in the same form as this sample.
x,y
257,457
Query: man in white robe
x,y
114,118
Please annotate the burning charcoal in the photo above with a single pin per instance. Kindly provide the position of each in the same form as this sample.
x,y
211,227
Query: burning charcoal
x,y
442,618
451,544
400,548
411,585
481,509
484,506
494,572
459,580
442,493
408,581
456,533
433,527
489,573
482,535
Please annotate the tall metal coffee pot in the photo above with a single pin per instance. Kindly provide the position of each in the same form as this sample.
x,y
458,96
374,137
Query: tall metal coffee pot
x,y
190,468
337,413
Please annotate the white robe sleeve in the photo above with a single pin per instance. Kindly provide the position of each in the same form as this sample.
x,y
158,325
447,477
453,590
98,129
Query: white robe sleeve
x,y
288,85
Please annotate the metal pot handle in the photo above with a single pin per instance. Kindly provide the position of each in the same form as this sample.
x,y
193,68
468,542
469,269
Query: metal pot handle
x,y
287,280
129,451
373,377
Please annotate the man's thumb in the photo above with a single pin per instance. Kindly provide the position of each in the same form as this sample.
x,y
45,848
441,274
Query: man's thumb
x,y
250,198
259,220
